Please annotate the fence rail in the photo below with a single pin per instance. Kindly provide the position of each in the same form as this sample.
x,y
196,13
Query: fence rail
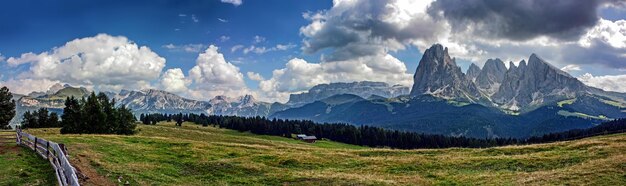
x,y
53,152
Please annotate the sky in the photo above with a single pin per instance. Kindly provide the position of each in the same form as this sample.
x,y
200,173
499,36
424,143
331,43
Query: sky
x,y
272,48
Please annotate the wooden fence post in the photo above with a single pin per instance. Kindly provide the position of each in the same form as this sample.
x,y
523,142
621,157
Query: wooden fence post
x,y
35,144
47,149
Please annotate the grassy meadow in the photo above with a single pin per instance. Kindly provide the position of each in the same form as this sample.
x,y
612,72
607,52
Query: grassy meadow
x,y
21,166
194,155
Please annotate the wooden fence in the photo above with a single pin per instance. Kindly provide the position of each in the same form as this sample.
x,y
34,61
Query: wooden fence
x,y
53,152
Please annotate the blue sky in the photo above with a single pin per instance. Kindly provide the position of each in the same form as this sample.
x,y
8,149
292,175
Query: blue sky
x,y
48,24
167,27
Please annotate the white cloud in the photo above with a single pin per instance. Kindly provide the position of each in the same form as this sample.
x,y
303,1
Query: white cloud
x,y
104,62
571,68
262,49
609,32
222,20
182,15
26,86
213,76
610,83
300,75
173,80
252,48
285,46
2,58
194,18
258,39
24,58
234,2
191,48
255,76
224,38
236,47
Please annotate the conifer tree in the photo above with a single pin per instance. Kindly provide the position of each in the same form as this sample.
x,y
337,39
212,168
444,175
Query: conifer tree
x,y
7,107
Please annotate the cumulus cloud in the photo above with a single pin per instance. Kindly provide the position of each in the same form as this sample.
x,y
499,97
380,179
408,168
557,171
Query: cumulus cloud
x,y
191,48
609,32
234,2
608,82
26,86
300,75
24,58
520,20
104,62
255,76
213,76
2,58
362,27
173,80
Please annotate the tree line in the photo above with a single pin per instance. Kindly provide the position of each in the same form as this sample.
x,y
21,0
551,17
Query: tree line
x,y
379,137
152,119
40,119
96,115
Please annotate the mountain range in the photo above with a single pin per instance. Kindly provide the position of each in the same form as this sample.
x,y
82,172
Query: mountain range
x,y
527,99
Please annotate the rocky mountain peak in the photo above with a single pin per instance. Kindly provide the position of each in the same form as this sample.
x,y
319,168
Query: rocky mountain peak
x,y
247,99
55,88
535,83
437,74
472,71
512,66
536,62
362,89
491,76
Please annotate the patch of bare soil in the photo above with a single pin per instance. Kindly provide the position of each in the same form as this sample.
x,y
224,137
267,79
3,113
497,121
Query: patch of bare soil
x,y
87,174
5,148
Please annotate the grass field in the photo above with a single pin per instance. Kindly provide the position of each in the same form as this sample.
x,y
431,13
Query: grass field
x,y
195,155
21,166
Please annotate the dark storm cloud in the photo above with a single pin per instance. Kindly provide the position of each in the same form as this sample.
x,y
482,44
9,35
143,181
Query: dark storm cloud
x,y
356,29
521,20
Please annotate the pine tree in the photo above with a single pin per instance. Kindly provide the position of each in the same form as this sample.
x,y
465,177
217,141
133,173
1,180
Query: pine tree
x,y
179,119
95,117
28,120
71,120
126,121
7,107
53,120
42,118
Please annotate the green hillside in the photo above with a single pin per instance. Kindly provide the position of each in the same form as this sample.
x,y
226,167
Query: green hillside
x,y
195,155
21,166
68,92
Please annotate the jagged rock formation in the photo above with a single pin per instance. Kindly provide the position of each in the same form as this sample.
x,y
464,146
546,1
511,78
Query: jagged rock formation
x,y
437,74
152,100
472,72
491,76
362,89
535,83
241,106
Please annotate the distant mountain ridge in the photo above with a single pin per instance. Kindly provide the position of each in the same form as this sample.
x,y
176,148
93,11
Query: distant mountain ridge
x,y
524,100
159,101
363,89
